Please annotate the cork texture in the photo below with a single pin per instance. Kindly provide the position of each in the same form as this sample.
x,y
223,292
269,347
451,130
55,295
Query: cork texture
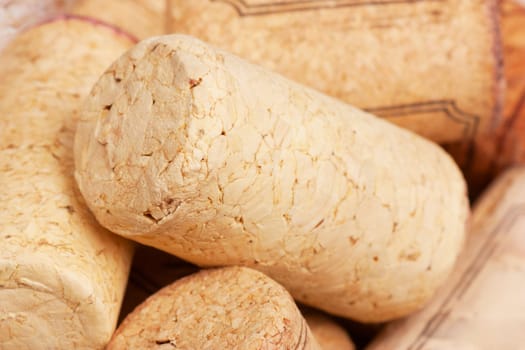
x,y
17,15
55,64
329,334
228,308
176,151
62,276
433,67
153,269
141,18
481,306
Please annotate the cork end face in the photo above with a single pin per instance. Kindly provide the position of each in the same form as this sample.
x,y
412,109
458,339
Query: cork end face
x,y
217,309
129,140
61,58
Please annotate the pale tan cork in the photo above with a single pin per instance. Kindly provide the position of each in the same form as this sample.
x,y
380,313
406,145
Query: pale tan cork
x,y
227,308
48,71
17,15
481,306
62,276
142,18
329,334
433,67
196,152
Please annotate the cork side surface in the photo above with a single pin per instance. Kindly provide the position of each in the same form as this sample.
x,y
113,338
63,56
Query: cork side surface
x,y
481,305
62,275
175,150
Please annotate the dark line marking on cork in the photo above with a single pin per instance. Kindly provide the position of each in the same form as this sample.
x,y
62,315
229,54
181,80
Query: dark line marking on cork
x,y
243,8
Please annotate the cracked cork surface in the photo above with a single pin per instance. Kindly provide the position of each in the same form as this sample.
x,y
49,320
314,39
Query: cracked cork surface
x,y
62,276
227,308
196,152
481,305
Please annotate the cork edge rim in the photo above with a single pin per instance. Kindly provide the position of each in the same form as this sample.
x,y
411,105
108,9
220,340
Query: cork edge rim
x,y
95,21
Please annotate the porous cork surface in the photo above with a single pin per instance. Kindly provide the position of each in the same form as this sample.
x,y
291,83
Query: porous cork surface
x,y
433,67
329,334
62,276
142,18
228,308
481,305
48,71
194,151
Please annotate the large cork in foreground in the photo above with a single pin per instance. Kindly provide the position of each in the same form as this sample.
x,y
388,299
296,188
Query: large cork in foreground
x,y
433,67
62,276
228,308
481,306
196,152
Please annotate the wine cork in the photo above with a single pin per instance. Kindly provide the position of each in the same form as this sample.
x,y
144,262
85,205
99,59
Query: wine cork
x,y
228,308
327,332
62,276
433,67
141,18
351,214
153,269
481,306
17,15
